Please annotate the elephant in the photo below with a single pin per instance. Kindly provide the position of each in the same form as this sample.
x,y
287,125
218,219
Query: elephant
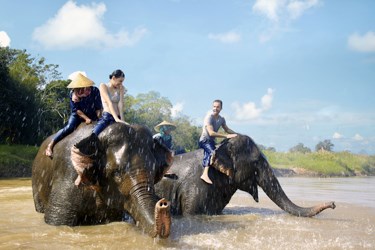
x,y
125,163
237,164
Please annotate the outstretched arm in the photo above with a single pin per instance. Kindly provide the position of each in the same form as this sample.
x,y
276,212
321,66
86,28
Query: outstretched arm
x,y
212,133
227,129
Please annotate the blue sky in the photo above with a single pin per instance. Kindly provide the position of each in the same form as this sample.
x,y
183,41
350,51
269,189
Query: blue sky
x,y
288,71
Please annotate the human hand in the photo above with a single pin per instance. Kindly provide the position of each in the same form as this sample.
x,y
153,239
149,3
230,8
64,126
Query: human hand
x,y
88,121
231,135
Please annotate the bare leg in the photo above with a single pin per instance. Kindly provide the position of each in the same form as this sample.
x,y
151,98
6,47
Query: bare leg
x,y
205,177
49,149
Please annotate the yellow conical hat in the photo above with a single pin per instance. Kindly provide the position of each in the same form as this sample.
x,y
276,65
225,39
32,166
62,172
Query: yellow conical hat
x,y
80,81
165,123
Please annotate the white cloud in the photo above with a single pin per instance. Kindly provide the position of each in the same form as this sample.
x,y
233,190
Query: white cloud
x,y
269,8
357,137
267,99
337,135
281,13
81,26
297,8
177,109
229,37
365,43
249,110
4,39
276,10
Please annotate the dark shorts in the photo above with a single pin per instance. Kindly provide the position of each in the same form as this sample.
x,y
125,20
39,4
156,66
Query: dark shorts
x,y
209,148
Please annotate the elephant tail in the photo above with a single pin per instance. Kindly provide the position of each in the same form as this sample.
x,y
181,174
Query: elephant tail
x,y
271,186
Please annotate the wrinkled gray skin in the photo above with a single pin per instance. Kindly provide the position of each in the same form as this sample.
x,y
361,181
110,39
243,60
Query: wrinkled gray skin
x,y
237,164
127,163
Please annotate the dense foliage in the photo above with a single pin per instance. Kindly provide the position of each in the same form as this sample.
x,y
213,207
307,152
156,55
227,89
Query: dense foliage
x,y
35,104
23,113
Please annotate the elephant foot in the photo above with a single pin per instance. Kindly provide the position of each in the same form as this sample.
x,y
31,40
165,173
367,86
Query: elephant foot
x,y
162,218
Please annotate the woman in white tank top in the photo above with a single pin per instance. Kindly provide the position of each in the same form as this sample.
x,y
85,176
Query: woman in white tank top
x,y
112,95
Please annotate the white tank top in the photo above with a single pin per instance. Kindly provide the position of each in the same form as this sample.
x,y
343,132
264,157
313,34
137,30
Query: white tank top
x,y
115,99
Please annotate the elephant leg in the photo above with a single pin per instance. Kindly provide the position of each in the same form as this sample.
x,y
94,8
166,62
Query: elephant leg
x,y
162,218
63,205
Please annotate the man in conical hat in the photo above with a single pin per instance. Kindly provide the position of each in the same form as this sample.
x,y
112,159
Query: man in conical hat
x,y
164,136
85,105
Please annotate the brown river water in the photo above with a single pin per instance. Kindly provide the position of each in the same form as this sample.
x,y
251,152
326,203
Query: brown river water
x,y
244,224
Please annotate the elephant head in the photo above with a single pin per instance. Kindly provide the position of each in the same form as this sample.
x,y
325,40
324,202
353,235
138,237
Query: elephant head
x,y
247,168
124,164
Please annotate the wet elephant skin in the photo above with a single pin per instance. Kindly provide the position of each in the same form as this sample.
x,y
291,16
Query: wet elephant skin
x,y
126,163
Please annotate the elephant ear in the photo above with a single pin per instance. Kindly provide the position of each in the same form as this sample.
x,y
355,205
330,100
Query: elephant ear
x,y
83,156
164,159
222,160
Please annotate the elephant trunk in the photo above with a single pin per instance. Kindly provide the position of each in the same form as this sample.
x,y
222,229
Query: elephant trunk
x,y
271,186
151,215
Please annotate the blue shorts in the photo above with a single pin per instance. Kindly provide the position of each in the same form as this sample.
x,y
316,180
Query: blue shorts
x,y
209,148
104,121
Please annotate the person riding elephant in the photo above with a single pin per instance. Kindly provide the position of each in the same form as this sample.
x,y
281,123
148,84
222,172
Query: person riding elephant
x,y
237,164
85,106
164,136
122,165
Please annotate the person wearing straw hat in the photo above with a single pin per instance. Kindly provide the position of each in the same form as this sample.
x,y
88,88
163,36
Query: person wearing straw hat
x,y
164,136
212,122
85,105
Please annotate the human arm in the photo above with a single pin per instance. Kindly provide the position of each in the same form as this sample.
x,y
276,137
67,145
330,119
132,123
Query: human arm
x,y
229,131
104,95
209,121
121,103
212,133
84,116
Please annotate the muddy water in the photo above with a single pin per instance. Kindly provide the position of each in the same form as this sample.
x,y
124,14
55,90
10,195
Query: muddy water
x,y
244,224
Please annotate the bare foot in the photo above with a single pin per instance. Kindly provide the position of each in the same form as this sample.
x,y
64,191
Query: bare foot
x,y
49,152
78,180
206,179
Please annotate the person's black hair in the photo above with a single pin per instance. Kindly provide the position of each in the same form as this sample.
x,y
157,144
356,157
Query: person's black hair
x,y
117,74
219,101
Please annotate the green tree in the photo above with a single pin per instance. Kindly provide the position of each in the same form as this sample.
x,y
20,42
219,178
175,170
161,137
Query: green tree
x,y
54,110
325,145
186,136
151,108
148,109
21,79
300,148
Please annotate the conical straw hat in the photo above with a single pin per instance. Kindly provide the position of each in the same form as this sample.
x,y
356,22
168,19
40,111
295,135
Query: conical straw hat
x,y
80,81
165,123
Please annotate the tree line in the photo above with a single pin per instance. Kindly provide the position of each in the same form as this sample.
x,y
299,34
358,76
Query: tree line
x,y
34,103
